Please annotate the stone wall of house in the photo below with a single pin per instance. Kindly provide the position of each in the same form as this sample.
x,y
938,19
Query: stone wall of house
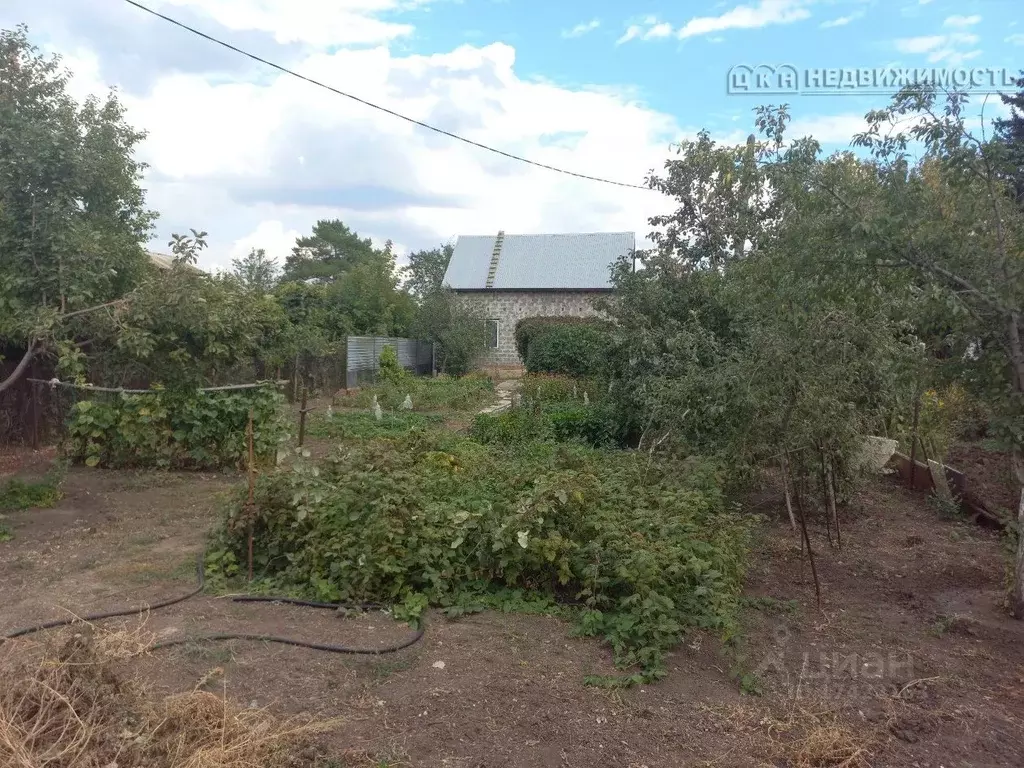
x,y
509,307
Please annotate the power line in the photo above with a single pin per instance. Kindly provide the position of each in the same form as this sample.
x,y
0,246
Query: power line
x,y
378,107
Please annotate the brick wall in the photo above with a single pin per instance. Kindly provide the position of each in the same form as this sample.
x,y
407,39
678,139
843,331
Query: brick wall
x,y
509,307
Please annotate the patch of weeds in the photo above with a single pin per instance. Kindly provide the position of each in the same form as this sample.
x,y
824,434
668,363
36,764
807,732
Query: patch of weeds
x,y
18,494
772,605
208,652
948,624
948,509
382,670
6,532
443,393
348,426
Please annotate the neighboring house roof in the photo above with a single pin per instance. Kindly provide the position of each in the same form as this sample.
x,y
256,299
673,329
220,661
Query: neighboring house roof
x,y
163,261
160,260
580,261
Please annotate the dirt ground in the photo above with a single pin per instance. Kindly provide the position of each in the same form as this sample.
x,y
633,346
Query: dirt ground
x,y
910,661
989,473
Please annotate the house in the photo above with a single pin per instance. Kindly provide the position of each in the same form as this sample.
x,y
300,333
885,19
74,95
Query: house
x,y
505,278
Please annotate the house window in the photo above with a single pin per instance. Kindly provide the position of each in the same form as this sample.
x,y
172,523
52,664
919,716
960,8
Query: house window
x,y
492,334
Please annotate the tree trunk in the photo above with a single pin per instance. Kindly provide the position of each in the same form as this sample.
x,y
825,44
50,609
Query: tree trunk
x,y
1017,456
1018,581
19,371
789,498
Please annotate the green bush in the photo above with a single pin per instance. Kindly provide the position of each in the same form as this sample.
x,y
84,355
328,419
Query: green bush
x,y
591,424
578,349
517,426
594,425
529,328
435,519
390,370
201,430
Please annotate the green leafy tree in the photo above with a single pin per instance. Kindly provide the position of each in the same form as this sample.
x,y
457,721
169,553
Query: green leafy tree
x,y
256,272
951,221
460,335
72,213
1010,131
330,251
425,271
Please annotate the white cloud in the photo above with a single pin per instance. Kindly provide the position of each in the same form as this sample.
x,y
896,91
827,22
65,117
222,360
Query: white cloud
x,y
270,235
961,21
1017,39
314,22
648,28
581,29
253,163
948,49
841,21
760,14
829,129
921,44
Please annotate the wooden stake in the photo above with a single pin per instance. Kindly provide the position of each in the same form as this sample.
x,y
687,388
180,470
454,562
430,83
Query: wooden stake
x,y
832,503
302,418
913,439
250,504
824,495
807,543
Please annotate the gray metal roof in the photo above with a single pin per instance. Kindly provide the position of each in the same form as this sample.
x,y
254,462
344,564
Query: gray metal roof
x,y
537,262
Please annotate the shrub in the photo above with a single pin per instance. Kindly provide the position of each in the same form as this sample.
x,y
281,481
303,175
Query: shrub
x,y
200,430
594,425
389,369
530,327
513,427
576,349
431,518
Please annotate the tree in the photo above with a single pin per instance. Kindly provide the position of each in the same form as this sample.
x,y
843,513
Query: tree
x,y
460,335
425,271
72,213
329,252
951,220
256,272
1010,131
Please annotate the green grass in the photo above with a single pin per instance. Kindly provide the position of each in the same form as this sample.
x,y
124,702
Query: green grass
x,y
444,393
18,494
347,426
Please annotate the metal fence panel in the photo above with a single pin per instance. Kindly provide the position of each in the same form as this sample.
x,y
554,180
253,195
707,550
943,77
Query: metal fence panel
x,y
363,357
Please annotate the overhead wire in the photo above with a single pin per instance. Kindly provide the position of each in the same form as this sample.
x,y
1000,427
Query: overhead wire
x,y
386,110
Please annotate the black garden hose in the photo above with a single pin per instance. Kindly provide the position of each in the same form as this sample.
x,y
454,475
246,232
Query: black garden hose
x,y
219,636
200,577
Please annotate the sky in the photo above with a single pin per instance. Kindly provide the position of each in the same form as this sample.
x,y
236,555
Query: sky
x,y
255,157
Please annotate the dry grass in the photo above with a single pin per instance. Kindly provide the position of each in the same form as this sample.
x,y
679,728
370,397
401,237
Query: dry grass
x,y
71,703
812,739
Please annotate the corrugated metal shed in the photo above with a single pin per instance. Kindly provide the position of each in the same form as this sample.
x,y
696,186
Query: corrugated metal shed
x,y
538,262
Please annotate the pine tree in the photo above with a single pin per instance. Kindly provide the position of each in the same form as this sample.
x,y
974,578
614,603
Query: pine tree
x,y
1010,131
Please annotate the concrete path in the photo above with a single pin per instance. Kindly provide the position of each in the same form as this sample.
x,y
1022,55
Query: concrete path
x,y
504,390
